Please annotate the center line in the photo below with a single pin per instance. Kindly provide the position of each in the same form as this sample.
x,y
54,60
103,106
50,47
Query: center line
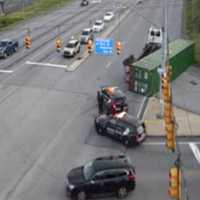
x,y
195,151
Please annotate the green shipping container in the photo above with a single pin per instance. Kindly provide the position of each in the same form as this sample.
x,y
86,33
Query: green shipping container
x,y
144,74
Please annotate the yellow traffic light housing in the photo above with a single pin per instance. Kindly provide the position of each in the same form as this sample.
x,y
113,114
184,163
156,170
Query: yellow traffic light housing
x,y
118,47
170,140
58,44
175,182
89,46
27,41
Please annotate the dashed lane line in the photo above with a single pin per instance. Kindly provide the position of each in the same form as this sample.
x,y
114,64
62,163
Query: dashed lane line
x,y
195,151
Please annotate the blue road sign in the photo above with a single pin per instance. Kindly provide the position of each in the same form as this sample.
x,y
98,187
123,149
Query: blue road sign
x,y
104,46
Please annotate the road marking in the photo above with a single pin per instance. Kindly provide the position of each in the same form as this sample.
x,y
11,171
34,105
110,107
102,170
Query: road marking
x,y
46,64
163,143
6,71
195,151
141,107
108,65
154,121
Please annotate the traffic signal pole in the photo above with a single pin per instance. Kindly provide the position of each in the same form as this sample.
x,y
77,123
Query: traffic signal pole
x,y
175,172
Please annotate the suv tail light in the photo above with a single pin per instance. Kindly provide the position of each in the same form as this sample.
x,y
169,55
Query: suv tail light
x,y
131,175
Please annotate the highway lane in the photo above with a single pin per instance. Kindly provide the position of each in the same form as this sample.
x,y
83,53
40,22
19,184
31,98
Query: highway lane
x,y
47,125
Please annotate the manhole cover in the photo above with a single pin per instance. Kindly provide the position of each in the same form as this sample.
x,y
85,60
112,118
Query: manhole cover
x,y
193,82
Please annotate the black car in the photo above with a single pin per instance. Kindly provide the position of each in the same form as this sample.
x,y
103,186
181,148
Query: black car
x,y
84,2
8,47
111,100
126,129
104,175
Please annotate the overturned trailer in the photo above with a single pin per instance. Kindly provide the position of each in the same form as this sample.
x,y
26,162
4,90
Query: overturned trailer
x,y
142,75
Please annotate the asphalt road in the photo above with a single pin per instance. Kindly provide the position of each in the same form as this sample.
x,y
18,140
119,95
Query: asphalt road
x,y
46,114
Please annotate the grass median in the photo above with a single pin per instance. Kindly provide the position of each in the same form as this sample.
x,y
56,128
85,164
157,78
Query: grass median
x,y
192,24
37,8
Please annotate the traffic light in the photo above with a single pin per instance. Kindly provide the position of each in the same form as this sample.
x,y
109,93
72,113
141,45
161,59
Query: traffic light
x,y
118,47
165,87
58,44
89,46
170,139
175,182
27,41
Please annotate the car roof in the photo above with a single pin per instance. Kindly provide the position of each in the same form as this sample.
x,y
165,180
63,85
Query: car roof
x,y
111,162
99,21
87,29
73,41
6,40
109,13
130,120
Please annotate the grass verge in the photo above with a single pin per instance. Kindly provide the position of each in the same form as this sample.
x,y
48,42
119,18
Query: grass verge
x,y
192,24
37,8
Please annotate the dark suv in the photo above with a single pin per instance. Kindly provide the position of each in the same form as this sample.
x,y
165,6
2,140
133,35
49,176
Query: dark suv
x,y
125,128
104,175
111,100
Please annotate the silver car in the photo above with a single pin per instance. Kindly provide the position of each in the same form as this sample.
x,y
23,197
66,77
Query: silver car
x,y
72,48
87,34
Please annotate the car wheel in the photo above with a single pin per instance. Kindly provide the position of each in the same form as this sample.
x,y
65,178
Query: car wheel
x,y
5,55
15,49
99,130
122,192
81,196
126,142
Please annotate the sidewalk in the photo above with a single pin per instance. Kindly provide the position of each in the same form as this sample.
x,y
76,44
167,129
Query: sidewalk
x,y
188,123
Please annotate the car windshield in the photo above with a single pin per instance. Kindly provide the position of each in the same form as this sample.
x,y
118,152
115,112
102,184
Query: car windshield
x,y
98,23
3,44
71,45
108,14
85,33
88,170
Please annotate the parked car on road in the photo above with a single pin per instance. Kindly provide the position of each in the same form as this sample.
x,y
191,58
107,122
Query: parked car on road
x,y
111,100
87,34
84,2
8,47
98,26
121,127
72,48
108,16
105,175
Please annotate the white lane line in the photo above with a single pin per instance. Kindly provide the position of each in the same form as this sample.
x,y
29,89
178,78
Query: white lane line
x,y
46,64
195,151
6,71
141,107
108,65
163,143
